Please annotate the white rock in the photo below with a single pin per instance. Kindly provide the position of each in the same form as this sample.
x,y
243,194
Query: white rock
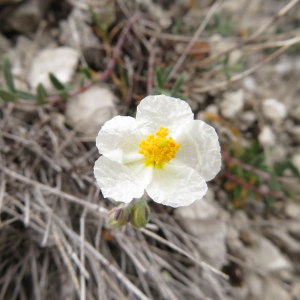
x,y
199,210
265,255
234,57
295,131
278,153
292,209
249,117
267,137
295,113
274,109
232,104
212,109
255,284
274,291
62,62
88,111
199,220
250,84
284,66
26,16
296,160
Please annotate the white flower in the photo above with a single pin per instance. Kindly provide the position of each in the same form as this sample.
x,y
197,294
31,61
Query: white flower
x,y
164,150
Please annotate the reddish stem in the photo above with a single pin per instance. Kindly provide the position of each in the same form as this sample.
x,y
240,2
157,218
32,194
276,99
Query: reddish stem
x,y
150,71
260,173
249,186
102,76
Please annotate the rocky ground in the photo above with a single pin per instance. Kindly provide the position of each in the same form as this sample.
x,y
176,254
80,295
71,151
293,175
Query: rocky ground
x,y
241,75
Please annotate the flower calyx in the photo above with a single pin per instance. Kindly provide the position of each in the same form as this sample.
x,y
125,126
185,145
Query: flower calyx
x,y
140,214
118,217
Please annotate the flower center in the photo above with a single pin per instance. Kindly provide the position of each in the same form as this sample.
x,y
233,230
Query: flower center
x,y
158,149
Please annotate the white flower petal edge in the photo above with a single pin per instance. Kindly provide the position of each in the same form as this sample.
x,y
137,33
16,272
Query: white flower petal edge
x,y
161,110
122,182
176,185
119,139
199,149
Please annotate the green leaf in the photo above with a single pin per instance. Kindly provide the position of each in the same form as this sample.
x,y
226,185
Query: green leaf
x,y
86,72
274,183
270,200
159,77
177,86
41,94
56,83
166,73
97,20
26,95
237,192
7,74
63,94
8,96
108,14
293,169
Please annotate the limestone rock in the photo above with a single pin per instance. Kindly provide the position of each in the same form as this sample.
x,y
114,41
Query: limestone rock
x,y
26,16
78,34
88,111
296,161
248,117
199,220
250,84
292,210
283,240
265,255
61,61
232,104
4,44
295,113
266,137
274,291
274,109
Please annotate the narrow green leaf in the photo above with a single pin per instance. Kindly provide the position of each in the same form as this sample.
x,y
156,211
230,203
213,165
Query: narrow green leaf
x,y
86,72
63,94
166,73
274,183
7,74
292,167
41,94
109,14
270,200
26,95
8,96
237,192
97,20
56,83
177,86
159,77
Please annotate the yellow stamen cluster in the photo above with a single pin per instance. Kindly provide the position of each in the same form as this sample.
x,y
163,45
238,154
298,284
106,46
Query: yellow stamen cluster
x,y
158,149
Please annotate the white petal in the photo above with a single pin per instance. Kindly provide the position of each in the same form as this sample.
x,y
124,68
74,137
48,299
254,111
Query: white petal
x,y
122,182
161,110
199,149
176,185
119,139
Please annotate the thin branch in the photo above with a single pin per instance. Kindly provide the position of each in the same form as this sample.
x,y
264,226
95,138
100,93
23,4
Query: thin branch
x,y
246,73
176,248
283,11
199,31
151,71
262,174
101,76
246,185
54,191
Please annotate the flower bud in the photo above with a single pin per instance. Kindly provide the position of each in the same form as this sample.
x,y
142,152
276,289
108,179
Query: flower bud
x,y
140,212
118,217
